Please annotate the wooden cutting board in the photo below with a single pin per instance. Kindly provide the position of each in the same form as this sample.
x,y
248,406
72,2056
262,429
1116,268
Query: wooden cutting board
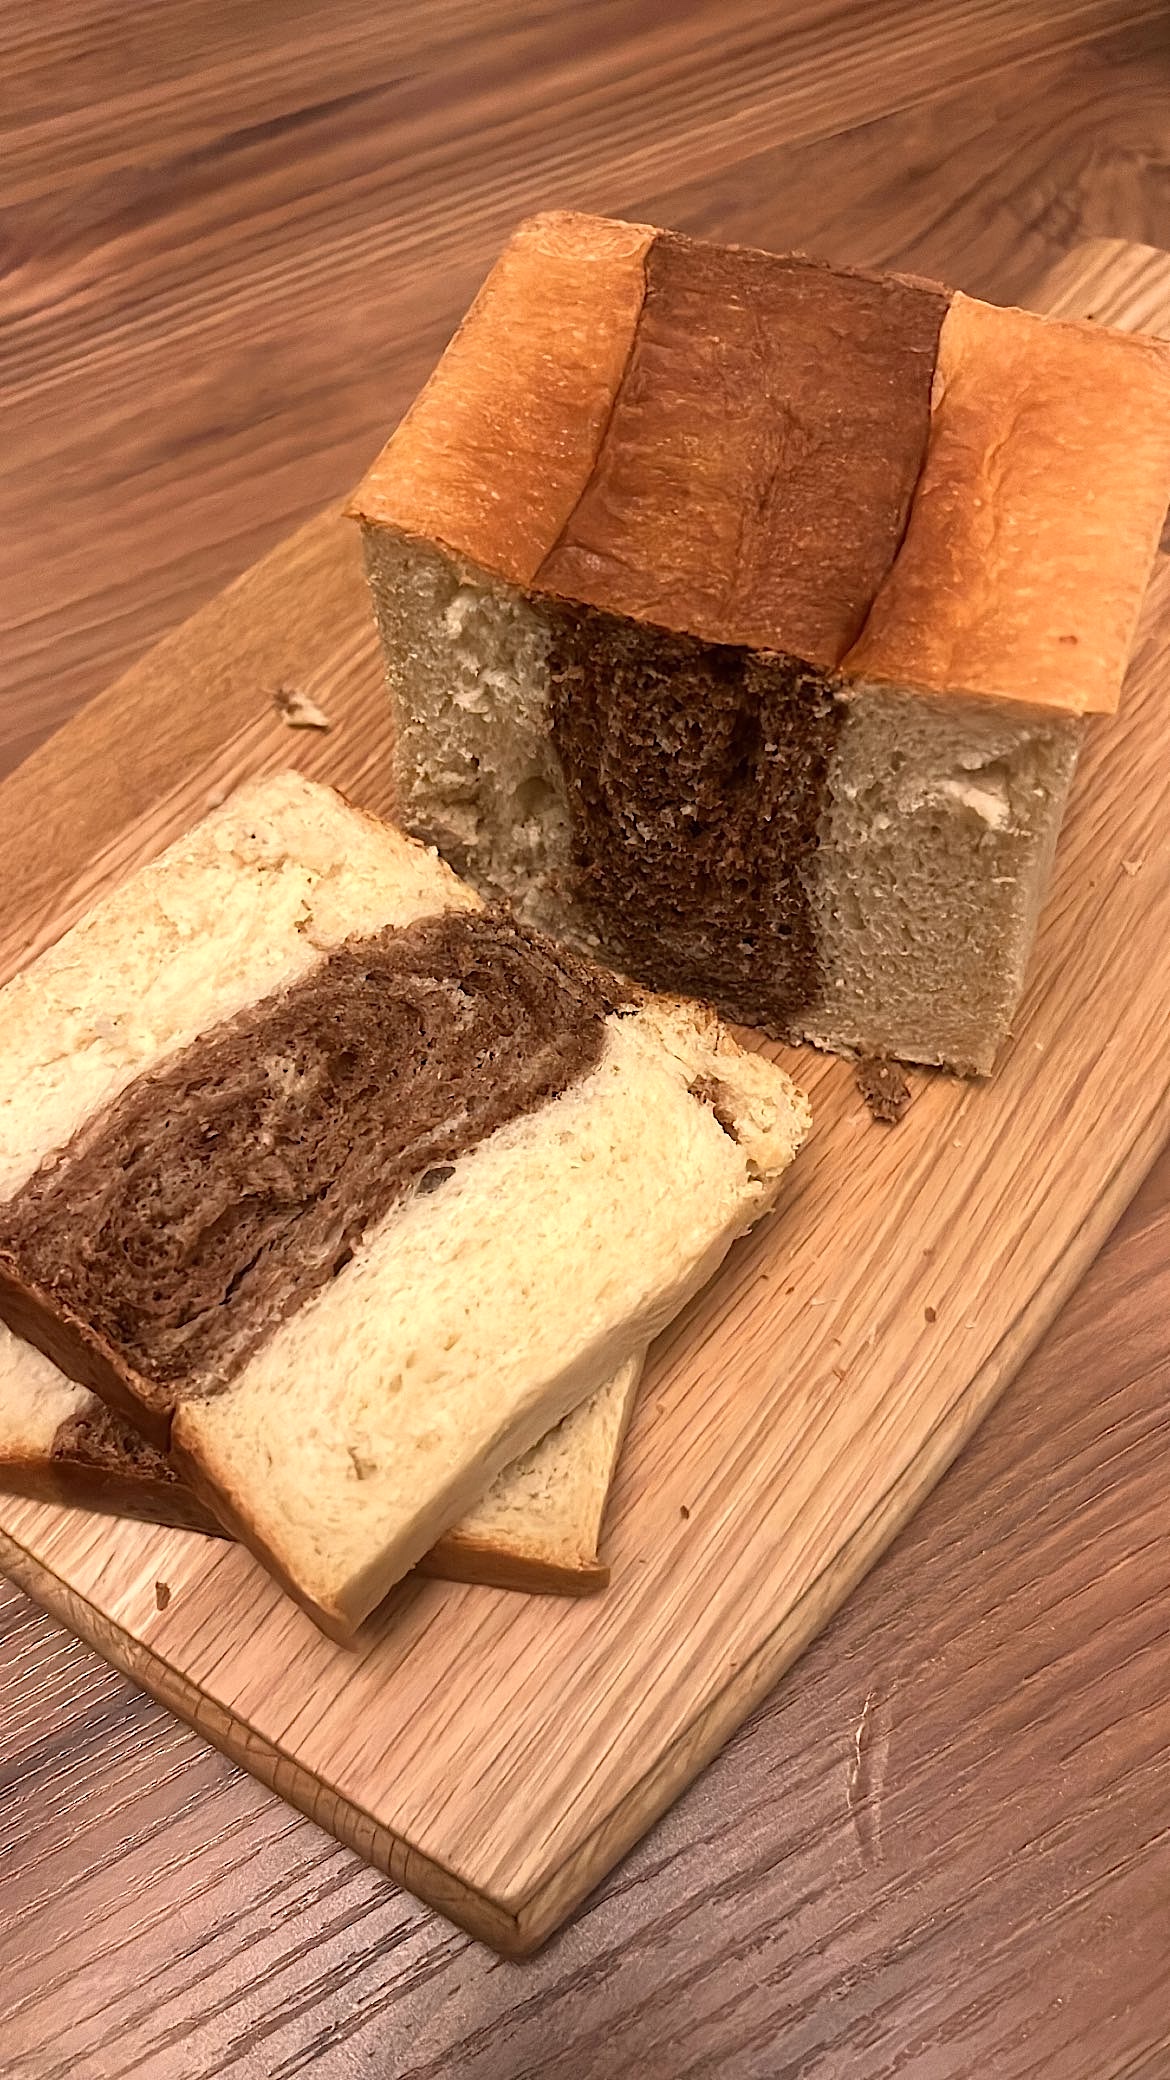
x,y
498,1753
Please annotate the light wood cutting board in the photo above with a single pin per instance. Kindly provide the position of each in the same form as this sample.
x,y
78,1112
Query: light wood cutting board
x,y
498,1753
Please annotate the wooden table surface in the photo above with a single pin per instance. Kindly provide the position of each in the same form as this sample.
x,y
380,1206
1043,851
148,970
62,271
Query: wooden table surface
x,y
234,239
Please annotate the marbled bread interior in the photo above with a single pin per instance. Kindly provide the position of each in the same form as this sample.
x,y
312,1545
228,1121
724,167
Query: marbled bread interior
x,y
741,616
345,1189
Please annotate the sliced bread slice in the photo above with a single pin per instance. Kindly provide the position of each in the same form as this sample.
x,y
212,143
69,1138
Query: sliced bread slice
x,y
346,1189
537,1528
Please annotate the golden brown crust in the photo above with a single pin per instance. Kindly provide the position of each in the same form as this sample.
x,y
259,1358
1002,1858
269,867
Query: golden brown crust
x,y
758,465
1036,517
457,1557
189,1503
454,1558
491,458
651,425
624,420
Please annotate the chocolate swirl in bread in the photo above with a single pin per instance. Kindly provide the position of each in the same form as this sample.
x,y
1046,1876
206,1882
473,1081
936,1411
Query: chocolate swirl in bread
x,y
740,615
219,1192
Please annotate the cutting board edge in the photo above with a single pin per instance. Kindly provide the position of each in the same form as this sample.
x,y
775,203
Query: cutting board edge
x,y
236,1739
517,1927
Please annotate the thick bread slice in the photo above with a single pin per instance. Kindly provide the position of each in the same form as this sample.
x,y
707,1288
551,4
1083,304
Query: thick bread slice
x,y
345,1313
465,1332
537,1528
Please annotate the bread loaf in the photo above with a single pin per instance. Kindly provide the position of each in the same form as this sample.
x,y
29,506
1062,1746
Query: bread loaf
x,y
344,1188
537,1528
742,615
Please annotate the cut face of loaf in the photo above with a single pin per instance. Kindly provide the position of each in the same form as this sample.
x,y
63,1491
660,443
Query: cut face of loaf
x,y
346,1190
536,1529
742,615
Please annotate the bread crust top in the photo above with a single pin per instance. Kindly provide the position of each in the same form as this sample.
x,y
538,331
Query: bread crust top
x,y
491,458
1036,517
867,472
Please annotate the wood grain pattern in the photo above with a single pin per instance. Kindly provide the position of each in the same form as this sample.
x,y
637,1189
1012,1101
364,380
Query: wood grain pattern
x,y
990,1895
789,1422
993,1889
205,341
718,81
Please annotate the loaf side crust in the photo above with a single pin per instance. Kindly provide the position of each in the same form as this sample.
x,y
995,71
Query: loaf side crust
x,y
458,1556
1036,518
492,457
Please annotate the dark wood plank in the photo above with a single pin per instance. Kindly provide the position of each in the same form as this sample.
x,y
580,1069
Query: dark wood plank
x,y
91,95
202,349
224,274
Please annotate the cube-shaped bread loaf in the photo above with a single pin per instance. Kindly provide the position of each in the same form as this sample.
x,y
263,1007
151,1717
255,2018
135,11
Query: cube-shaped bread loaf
x,y
344,1189
742,617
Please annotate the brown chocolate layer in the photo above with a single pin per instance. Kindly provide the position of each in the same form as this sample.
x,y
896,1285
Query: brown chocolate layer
x,y
220,1192
695,774
103,1442
98,1461
755,478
